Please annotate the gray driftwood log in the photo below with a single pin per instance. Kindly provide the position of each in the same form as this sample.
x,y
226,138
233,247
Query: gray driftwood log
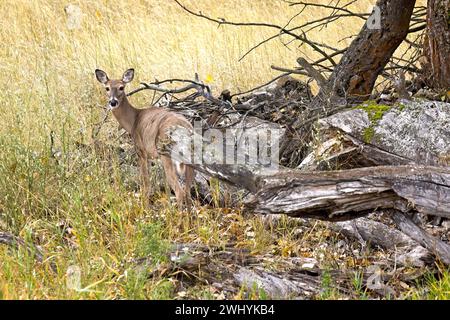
x,y
407,226
233,268
406,251
346,194
406,133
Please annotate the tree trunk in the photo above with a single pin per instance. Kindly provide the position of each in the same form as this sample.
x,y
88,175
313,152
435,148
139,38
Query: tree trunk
x,y
356,73
437,44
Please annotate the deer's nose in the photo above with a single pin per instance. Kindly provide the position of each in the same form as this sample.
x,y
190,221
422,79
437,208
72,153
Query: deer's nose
x,y
113,103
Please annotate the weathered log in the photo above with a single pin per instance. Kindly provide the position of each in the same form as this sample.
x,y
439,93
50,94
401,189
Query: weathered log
x,y
276,285
374,233
347,194
336,195
408,252
237,270
407,226
408,133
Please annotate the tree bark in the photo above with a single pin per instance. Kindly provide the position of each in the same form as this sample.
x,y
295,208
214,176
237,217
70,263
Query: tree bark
x,y
356,73
409,133
367,231
435,245
437,44
348,194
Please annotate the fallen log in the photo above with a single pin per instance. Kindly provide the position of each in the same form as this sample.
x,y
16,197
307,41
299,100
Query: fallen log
x,y
374,233
409,132
332,195
237,270
433,244
277,285
407,251
402,136
336,195
347,194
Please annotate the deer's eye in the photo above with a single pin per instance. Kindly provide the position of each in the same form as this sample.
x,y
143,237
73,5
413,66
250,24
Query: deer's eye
x,y
107,89
121,88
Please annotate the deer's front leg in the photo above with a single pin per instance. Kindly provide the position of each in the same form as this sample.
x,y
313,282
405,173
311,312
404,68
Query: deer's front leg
x,y
144,176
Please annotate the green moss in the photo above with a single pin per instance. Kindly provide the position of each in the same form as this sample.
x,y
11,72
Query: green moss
x,y
401,106
375,113
368,134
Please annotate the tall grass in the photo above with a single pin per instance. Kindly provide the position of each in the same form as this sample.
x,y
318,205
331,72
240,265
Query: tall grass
x,y
72,204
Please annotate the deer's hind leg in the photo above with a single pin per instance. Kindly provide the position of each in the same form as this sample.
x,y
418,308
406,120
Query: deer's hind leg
x,y
173,177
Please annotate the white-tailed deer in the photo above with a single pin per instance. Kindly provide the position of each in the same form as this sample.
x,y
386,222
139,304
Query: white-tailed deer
x,y
147,127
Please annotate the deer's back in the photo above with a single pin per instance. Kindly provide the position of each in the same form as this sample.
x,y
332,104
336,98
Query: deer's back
x,y
153,124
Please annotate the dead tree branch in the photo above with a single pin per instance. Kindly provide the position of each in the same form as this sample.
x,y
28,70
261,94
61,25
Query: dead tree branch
x,y
15,242
313,73
433,244
301,38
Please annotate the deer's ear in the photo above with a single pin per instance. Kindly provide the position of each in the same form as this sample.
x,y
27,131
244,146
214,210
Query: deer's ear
x,y
128,76
101,76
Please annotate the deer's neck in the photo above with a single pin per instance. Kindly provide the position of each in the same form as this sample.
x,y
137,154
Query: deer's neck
x,y
126,115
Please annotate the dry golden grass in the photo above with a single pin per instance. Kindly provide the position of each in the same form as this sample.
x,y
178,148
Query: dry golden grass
x,y
78,210
47,67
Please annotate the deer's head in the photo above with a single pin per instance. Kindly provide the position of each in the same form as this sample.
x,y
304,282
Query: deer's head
x,y
115,89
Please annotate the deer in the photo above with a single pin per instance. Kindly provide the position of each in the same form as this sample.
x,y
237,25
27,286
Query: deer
x,y
147,127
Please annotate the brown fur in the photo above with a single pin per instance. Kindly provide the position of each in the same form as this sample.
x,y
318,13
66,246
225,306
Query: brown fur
x,y
147,127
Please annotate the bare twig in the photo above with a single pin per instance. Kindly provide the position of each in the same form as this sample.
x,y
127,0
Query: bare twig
x,y
290,71
301,38
313,73
263,85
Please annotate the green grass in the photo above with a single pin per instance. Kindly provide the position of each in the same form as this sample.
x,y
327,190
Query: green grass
x,y
433,287
328,291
